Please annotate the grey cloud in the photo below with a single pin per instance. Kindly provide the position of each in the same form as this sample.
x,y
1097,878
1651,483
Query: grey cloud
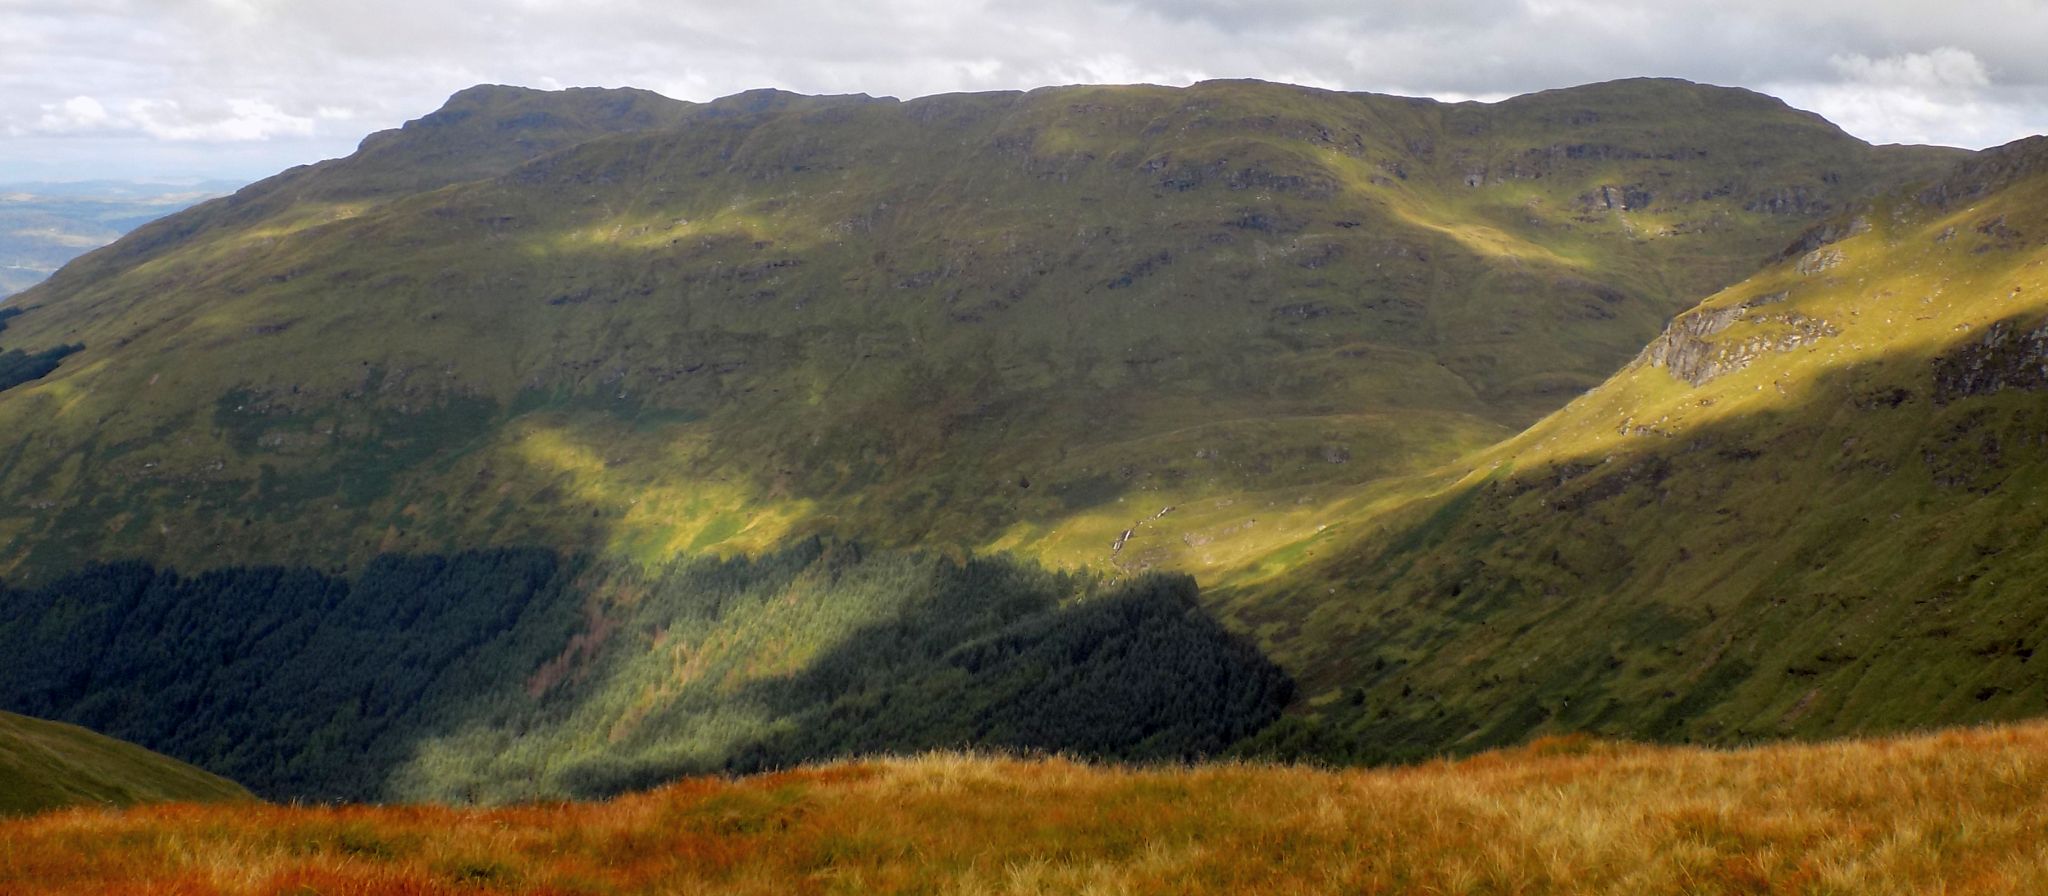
x,y
313,76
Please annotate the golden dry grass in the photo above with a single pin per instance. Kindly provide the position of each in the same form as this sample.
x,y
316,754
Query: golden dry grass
x,y
1957,812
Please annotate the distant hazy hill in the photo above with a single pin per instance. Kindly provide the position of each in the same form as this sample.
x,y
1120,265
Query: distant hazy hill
x,y
557,442
49,765
44,225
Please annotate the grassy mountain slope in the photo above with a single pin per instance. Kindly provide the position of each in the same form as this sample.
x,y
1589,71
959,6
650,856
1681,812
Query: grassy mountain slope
x,y
1105,329
1811,507
607,321
1958,812
50,765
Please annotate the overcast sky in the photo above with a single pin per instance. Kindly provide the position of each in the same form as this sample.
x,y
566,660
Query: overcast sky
x,y
243,88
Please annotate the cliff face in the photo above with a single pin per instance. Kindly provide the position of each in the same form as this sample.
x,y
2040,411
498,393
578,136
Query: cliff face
x,y
2010,355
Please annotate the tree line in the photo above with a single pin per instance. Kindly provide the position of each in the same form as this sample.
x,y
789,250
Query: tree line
x,y
507,674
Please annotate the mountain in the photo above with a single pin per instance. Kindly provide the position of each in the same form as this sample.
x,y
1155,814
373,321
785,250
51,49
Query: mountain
x,y
603,319
44,225
50,765
1806,509
599,437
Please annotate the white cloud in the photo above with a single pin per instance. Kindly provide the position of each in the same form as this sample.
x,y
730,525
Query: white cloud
x,y
235,120
1892,115
317,74
1944,68
79,113
1943,95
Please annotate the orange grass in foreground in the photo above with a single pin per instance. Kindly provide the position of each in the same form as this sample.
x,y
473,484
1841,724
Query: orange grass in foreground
x,y
1958,812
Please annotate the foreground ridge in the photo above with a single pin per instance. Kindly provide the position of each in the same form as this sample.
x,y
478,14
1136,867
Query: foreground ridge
x,y
1957,811
49,765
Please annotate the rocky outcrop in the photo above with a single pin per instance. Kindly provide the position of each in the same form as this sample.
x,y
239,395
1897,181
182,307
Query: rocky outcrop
x,y
1819,260
1683,348
1688,349
1793,200
1988,172
1307,182
1611,198
1826,234
2008,356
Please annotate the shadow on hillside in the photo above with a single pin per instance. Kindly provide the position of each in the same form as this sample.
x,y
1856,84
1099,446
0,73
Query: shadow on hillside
x,y
493,675
1136,672
1862,559
1730,581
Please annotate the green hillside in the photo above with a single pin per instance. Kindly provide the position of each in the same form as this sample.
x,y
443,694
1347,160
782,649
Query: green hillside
x,y
50,765
1810,508
541,416
608,321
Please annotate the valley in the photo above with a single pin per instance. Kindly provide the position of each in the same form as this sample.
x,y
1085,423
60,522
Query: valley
x,y
561,443
44,225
